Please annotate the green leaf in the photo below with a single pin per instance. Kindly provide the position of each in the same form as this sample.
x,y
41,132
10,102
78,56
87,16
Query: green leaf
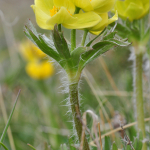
x,y
107,145
3,146
128,147
75,55
31,146
60,43
114,146
63,147
40,42
109,36
71,143
122,30
138,141
98,49
89,44
9,119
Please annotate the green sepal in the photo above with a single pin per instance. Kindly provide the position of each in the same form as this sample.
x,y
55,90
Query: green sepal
x,y
98,49
107,143
114,146
60,43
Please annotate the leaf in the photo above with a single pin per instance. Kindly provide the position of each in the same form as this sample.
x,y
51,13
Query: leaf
x,y
31,146
3,146
128,147
40,42
9,119
89,44
63,147
114,146
109,36
122,30
98,49
138,141
107,145
60,43
71,143
75,55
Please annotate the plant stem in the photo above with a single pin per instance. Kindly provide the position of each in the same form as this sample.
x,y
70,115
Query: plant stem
x,y
59,27
138,90
84,37
73,39
74,100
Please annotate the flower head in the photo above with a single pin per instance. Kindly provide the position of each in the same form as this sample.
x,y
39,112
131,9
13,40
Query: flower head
x,y
50,12
132,9
101,7
38,67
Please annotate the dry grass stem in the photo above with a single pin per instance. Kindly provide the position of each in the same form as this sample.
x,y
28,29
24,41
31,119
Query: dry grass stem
x,y
100,136
87,75
4,113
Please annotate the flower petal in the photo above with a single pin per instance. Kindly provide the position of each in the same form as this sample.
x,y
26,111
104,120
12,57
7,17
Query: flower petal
x,y
83,4
113,19
101,25
44,5
41,18
102,6
84,20
62,16
133,11
65,3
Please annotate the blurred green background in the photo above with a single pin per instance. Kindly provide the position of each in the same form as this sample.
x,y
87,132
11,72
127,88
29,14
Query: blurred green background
x,y
42,114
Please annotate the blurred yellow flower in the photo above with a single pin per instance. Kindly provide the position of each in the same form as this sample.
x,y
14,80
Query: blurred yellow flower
x,y
37,66
30,52
132,9
39,70
50,12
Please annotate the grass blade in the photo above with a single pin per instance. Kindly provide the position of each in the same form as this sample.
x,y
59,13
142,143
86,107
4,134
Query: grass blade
x,y
9,119
31,146
3,146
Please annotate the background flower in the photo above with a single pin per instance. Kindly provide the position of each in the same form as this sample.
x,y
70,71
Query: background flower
x,y
38,66
132,9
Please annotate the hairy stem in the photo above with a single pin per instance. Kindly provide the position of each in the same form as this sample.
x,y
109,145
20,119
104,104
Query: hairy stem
x,y
138,90
74,100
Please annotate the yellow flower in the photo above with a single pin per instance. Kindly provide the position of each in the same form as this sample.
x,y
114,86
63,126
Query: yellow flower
x,y
50,12
132,9
39,70
98,6
30,52
97,29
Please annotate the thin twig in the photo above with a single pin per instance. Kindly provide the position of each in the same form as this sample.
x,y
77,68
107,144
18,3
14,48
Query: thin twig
x,y
100,136
128,140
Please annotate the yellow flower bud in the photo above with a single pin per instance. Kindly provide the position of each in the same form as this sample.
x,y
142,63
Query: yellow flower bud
x,y
132,9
